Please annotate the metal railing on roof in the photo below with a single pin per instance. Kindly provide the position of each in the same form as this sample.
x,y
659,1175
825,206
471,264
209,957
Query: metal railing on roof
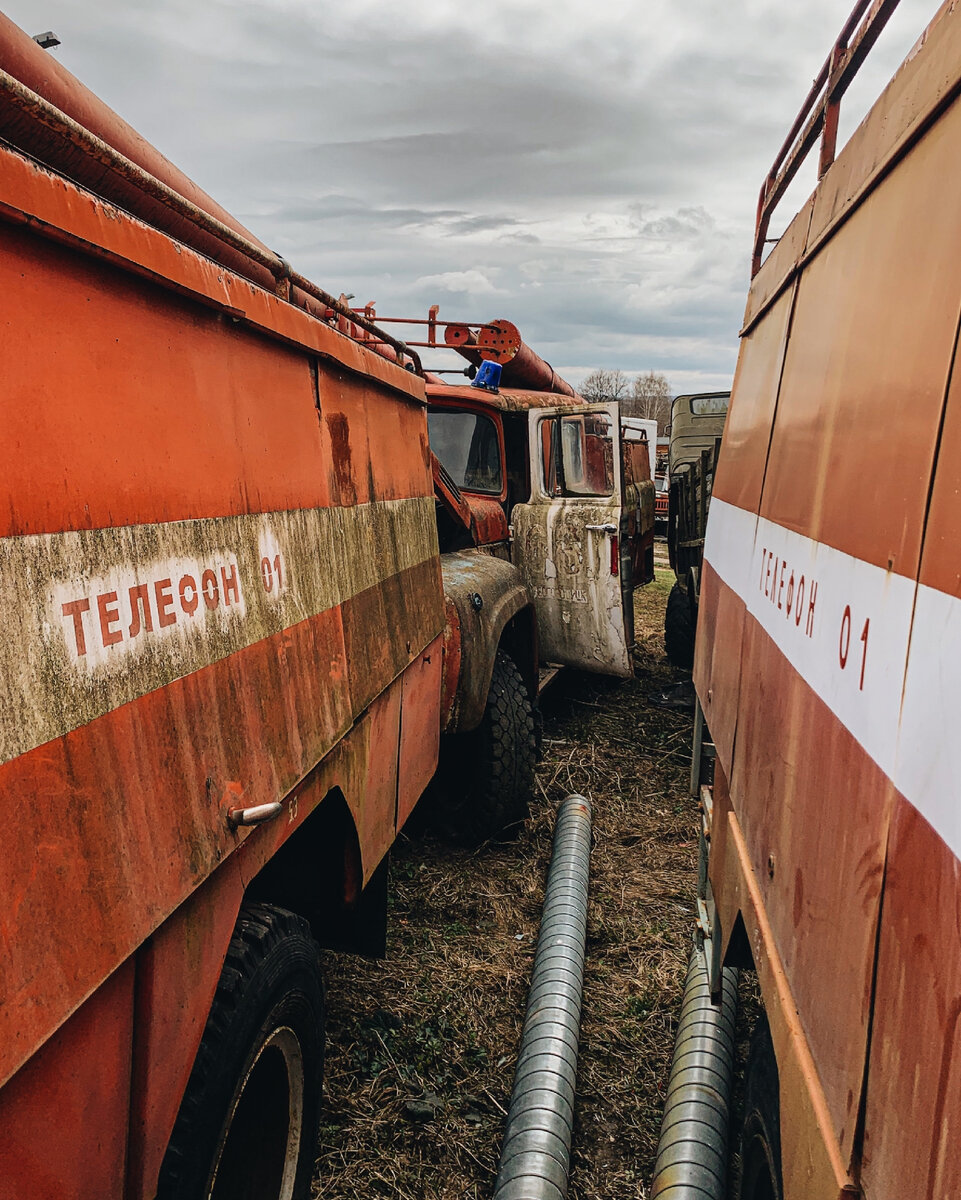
x,y
818,117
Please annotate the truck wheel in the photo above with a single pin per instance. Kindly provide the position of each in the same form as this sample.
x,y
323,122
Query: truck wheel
x,y
761,1130
679,629
247,1127
490,771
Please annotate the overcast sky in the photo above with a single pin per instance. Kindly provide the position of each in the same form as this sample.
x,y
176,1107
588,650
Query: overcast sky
x,y
588,170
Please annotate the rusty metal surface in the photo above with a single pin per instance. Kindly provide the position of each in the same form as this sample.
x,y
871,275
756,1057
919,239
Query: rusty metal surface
x,y
842,393
420,728
114,614
739,476
79,1082
485,593
717,659
580,614
837,422
505,399
637,524
568,548
831,468
489,519
811,1159
219,548
31,122
61,212
822,893
915,1063
169,1019
178,967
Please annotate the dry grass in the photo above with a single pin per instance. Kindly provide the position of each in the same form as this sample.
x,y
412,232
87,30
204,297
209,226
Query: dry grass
x,y
438,1021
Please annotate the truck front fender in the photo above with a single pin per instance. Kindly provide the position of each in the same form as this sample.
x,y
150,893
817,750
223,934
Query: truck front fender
x,y
483,595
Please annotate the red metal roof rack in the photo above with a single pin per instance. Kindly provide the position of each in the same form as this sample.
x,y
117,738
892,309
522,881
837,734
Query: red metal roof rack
x,y
819,115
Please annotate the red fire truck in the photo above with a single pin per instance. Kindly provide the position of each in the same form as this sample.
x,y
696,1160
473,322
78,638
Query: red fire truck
x,y
828,655
225,662
221,664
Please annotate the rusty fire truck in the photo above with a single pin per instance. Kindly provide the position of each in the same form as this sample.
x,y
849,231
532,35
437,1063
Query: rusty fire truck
x,y
226,661
559,487
828,654
545,520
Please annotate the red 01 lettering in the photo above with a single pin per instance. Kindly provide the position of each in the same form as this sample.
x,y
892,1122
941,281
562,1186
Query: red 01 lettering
x,y
271,572
845,644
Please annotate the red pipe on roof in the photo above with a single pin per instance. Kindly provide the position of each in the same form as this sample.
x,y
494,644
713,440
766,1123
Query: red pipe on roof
x,y
48,114
500,341
38,70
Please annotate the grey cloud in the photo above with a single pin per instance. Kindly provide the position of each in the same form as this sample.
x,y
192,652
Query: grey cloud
x,y
685,223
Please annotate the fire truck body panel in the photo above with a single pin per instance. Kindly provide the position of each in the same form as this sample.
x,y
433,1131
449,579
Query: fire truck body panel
x,y
221,589
828,651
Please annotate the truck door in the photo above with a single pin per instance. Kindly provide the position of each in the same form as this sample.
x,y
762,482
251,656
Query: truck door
x,y
569,543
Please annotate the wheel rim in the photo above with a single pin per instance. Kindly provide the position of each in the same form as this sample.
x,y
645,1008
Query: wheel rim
x,y
260,1145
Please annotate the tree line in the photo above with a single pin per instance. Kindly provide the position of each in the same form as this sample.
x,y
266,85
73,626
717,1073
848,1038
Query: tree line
x,y
646,395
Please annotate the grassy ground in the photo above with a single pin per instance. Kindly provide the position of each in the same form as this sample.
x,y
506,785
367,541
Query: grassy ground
x,y
422,1045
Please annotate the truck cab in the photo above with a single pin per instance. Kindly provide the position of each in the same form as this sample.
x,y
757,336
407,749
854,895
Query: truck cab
x,y
545,518
552,487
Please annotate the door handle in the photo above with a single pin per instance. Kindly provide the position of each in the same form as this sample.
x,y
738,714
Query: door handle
x,y
608,528
255,815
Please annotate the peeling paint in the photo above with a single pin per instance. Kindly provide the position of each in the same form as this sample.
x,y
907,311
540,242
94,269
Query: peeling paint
x,y
580,608
105,616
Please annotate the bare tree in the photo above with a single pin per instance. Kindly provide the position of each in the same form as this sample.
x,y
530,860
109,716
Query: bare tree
x,y
650,398
604,385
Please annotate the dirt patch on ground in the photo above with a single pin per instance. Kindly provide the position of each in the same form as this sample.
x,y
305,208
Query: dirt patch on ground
x,y
421,1046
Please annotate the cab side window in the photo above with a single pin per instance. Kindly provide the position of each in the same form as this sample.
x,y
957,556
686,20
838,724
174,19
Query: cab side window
x,y
578,455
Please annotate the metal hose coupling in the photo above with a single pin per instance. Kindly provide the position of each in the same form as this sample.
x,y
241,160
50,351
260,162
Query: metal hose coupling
x,y
535,1155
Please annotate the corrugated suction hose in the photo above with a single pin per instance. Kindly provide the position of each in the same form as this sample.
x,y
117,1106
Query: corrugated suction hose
x,y
535,1155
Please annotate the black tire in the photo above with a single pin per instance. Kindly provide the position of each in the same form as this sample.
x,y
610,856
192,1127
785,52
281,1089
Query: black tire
x,y
679,626
489,772
248,1122
760,1173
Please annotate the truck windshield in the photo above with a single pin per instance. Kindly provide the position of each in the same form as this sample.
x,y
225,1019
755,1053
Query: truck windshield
x,y
710,406
466,443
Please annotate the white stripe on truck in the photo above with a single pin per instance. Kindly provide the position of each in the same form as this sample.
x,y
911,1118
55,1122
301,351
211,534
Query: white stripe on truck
x,y
845,626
